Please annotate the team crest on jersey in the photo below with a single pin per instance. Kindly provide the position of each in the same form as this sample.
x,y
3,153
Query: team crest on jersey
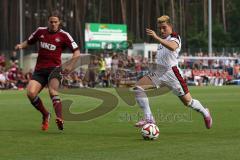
x,y
42,36
57,39
160,47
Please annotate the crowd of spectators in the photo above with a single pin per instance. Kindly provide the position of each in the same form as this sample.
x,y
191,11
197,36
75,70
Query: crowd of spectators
x,y
109,70
117,70
11,76
215,70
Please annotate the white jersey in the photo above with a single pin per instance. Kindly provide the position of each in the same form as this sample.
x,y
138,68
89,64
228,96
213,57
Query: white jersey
x,y
167,58
167,73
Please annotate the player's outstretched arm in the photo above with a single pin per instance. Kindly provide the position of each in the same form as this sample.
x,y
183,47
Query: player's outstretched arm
x,y
76,53
74,60
72,63
171,45
21,45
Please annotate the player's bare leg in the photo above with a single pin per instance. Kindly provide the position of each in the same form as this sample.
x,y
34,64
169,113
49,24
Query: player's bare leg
x,y
57,104
142,99
33,89
196,105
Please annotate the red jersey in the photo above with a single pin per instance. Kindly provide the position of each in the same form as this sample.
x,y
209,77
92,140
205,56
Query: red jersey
x,y
51,45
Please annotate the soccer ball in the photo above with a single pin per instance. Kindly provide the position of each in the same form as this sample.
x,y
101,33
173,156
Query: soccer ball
x,y
150,131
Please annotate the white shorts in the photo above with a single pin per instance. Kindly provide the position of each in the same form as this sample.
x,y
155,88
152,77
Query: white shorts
x,y
172,78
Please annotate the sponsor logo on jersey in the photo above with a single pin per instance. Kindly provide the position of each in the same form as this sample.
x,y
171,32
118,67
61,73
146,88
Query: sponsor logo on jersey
x,y
57,40
47,46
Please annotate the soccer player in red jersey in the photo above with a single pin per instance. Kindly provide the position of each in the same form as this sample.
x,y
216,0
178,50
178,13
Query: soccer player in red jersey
x,y
52,40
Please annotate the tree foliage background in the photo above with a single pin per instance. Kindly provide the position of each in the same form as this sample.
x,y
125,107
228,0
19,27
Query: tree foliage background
x,y
190,19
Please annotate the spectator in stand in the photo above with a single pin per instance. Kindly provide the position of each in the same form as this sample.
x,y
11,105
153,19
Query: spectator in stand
x,y
21,81
138,67
204,75
197,77
114,63
108,61
211,77
76,82
13,58
92,72
236,71
188,74
217,76
181,62
106,78
205,62
102,68
114,69
12,77
2,60
132,62
3,79
229,69
216,64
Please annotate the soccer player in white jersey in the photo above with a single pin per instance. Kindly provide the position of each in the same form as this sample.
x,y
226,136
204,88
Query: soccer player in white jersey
x,y
168,74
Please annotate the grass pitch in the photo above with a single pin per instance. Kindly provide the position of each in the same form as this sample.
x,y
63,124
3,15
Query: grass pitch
x,y
112,136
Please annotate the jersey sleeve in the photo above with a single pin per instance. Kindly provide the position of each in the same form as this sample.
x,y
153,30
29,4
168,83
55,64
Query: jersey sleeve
x,y
70,43
33,38
176,38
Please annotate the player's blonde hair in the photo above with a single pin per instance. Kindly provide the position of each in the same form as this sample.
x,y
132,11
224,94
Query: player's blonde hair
x,y
163,19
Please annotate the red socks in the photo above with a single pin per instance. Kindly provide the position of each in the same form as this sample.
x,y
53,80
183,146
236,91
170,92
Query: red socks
x,y
37,103
57,104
